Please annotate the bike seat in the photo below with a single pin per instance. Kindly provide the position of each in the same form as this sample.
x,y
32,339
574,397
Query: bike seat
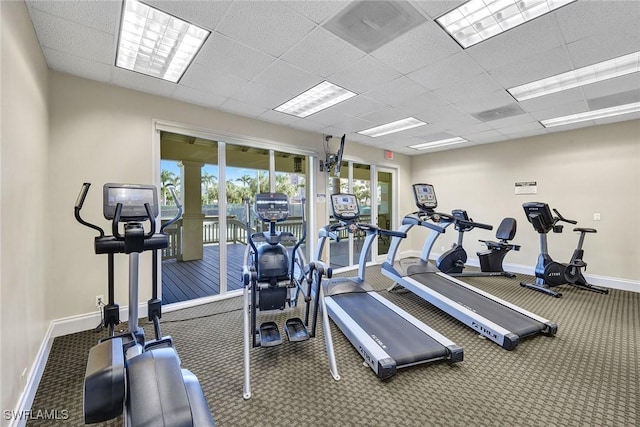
x,y
586,230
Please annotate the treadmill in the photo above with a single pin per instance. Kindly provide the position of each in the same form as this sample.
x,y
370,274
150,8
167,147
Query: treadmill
x,y
386,336
494,318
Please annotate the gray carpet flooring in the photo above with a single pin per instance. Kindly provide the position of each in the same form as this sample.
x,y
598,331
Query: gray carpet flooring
x,y
587,375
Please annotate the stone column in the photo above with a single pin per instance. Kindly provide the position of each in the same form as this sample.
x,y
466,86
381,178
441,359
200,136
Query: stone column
x,y
192,218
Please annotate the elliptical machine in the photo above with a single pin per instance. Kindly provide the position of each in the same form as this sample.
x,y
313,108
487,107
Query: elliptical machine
x,y
124,372
550,273
272,280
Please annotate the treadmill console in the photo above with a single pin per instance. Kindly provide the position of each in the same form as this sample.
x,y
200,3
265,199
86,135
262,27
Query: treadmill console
x,y
345,207
133,198
425,196
272,207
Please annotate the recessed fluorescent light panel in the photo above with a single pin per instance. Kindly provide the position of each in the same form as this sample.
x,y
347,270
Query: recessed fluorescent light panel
x,y
397,126
478,20
157,44
615,67
439,143
592,115
319,97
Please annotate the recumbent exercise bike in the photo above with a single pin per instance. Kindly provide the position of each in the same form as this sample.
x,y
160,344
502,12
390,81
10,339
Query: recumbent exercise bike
x,y
550,273
126,374
452,262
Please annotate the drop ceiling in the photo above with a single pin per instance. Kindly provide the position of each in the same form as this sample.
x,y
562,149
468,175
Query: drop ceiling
x,y
263,53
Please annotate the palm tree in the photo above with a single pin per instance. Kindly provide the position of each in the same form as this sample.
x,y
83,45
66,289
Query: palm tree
x,y
245,179
208,180
166,178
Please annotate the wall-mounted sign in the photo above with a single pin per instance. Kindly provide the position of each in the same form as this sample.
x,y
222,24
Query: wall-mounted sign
x,y
526,187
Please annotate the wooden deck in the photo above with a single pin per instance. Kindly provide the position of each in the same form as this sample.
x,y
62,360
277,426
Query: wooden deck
x,y
186,280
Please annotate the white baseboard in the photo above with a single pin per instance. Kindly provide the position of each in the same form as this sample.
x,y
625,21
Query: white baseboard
x,y
607,282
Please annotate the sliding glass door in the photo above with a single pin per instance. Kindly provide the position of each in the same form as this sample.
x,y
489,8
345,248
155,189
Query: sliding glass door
x,y
374,188
213,179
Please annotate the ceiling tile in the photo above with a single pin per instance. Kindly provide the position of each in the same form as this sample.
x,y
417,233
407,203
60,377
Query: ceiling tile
x,y
568,96
239,107
358,105
535,67
322,53
473,87
142,83
66,63
206,14
582,19
519,43
396,91
100,15
560,110
268,26
75,39
227,56
448,71
287,78
628,83
261,95
591,50
317,11
436,8
208,79
417,48
364,75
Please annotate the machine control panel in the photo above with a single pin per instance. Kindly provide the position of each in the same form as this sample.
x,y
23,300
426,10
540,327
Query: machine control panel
x,y
133,198
345,207
272,207
425,196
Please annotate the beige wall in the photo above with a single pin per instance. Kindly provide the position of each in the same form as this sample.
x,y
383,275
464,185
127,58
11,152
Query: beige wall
x,y
579,173
24,229
101,133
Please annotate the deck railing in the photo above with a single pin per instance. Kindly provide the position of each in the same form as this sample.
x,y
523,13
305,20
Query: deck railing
x,y
236,233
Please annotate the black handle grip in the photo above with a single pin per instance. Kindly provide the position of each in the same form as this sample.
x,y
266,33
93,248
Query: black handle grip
x,y
475,224
392,233
83,194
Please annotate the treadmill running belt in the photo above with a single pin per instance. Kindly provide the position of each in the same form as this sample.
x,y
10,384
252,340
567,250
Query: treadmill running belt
x,y
405,343
499,314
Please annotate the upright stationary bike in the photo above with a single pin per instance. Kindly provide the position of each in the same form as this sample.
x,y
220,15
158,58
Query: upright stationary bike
x,y
550,273
125,373
273,278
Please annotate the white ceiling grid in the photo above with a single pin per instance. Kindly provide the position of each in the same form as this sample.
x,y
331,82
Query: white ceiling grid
x,y
262,53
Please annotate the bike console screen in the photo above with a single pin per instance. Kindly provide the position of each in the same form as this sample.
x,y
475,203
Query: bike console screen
x,y
425,196
272,207
133,198
345,207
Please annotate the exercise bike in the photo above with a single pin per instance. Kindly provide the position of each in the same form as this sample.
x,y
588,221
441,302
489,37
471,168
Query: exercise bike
x,y
273,280
550,273
126,374
452,262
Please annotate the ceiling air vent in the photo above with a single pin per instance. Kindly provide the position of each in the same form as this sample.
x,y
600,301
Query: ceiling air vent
x,y
368,25
499,113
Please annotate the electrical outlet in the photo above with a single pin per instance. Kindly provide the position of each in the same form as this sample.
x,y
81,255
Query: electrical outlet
x,y
100,301
596,217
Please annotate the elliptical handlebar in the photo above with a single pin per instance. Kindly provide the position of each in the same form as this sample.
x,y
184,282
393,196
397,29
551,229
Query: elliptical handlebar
x,y
563,219
78,207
